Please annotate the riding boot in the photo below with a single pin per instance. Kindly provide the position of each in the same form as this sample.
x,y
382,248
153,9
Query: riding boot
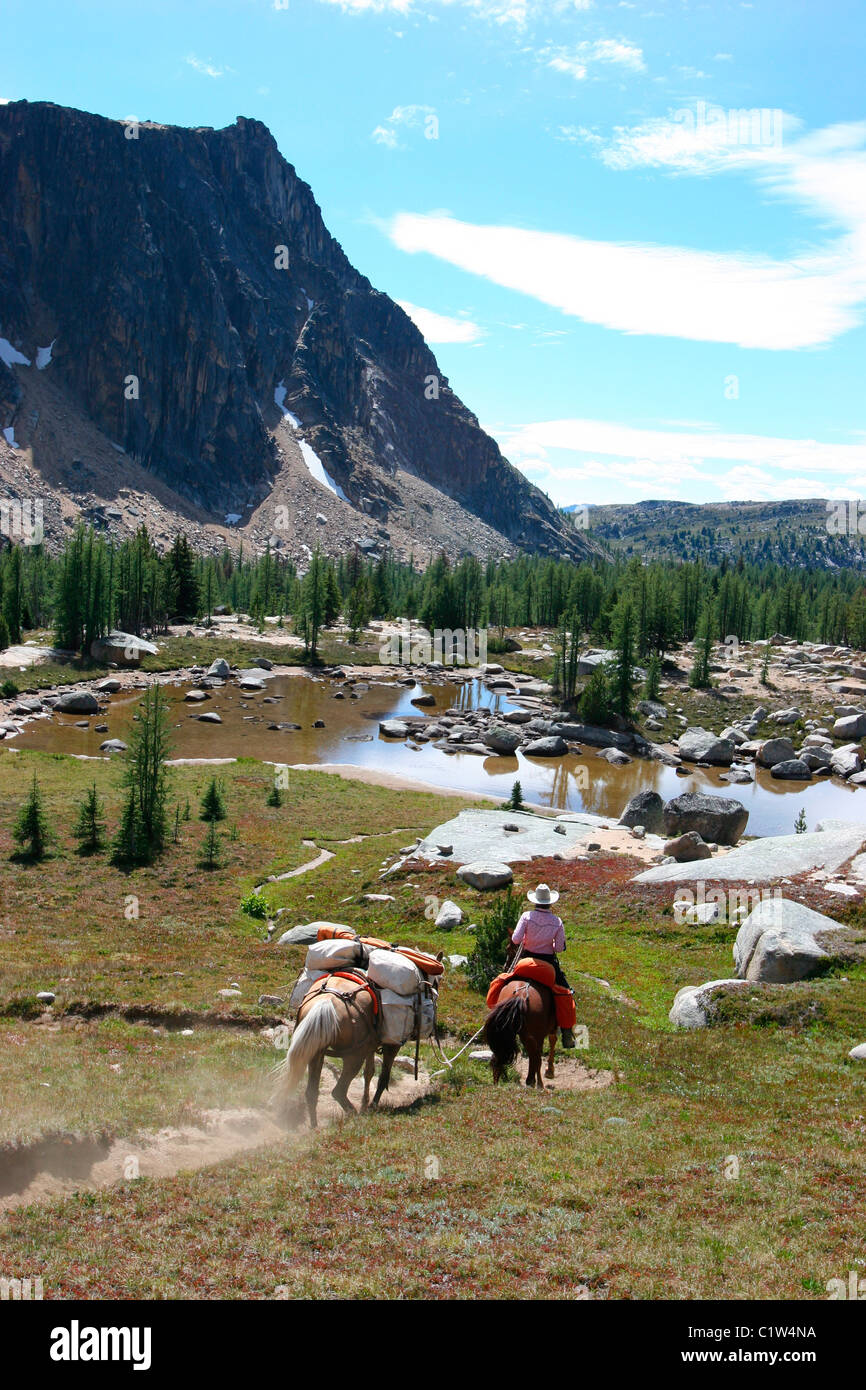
x,y
568,1037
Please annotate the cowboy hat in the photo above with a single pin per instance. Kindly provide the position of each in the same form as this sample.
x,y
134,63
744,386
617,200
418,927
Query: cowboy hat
x,y
543,896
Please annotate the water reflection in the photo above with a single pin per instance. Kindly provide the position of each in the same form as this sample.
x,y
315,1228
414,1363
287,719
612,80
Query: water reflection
x,y
351,735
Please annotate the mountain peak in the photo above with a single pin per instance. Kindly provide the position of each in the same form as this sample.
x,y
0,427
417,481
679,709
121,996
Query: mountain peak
x,y
197,305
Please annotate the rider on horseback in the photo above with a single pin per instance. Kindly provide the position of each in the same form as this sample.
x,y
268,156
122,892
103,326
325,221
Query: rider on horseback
x,y
542,934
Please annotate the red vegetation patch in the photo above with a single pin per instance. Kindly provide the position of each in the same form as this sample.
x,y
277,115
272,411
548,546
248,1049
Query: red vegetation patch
x,y
583,877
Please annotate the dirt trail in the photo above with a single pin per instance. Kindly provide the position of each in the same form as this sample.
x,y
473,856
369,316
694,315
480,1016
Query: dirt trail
x,y
59,1166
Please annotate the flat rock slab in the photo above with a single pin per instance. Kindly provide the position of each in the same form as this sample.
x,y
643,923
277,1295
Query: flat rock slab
x,y
481,835
767,860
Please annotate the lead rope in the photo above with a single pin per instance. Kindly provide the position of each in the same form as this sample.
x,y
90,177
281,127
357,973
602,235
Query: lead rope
x,y
437,1046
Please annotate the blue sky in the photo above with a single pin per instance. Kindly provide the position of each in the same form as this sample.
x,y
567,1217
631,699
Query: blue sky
x,y
634,234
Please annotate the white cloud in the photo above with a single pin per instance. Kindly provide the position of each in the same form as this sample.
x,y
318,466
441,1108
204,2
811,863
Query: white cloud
x,y
575,62
669,291
680,448
754,301
402,117
702,139
206,67
439,328
502,12
602,460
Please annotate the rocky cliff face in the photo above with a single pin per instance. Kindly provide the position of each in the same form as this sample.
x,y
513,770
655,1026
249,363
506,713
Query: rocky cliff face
x,y
184,277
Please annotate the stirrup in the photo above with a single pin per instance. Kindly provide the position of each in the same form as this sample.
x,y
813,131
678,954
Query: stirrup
x,y
568,1037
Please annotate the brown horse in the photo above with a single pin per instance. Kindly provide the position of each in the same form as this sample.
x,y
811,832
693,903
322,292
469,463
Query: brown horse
x,y
527,1011
337,1018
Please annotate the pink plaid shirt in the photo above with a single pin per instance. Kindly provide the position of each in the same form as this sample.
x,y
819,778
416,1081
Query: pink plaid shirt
x,y
540,930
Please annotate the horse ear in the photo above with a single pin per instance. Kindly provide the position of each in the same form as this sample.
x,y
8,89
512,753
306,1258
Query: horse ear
x,y
440,955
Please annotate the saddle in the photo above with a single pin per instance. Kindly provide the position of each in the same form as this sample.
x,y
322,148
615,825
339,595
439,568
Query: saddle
x,y
539,972
322,986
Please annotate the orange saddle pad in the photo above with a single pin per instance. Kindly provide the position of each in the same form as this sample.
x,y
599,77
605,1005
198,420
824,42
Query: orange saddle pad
x,y
329,933
541,972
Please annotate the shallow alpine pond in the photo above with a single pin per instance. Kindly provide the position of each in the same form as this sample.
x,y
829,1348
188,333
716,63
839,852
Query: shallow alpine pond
x,y
584,782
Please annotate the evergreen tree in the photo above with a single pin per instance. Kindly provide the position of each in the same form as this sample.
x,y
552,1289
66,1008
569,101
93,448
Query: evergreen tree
x,y
213,806
333,597
358,606
210,857
653,677
700,677
142,831
765,666
13,599
31,830
595,706
89,829
492,937
185,583
311,614
622,682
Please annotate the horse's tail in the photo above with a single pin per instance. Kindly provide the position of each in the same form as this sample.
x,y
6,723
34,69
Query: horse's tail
x,y
317,1031
503,1025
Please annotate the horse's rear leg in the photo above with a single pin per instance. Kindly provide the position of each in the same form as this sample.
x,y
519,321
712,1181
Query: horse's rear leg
x,y
351,1066
313,1078
369,1072
388,1055
533,1076
549,1071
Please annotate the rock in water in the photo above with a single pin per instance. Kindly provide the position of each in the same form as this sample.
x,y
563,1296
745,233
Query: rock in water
x,y
645,808
700,746
792,770
719,820
393,728
76,702
550,747
776,750
502,739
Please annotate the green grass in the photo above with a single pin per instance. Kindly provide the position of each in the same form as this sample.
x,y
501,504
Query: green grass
x,y
537,1194
90,1078
169,934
